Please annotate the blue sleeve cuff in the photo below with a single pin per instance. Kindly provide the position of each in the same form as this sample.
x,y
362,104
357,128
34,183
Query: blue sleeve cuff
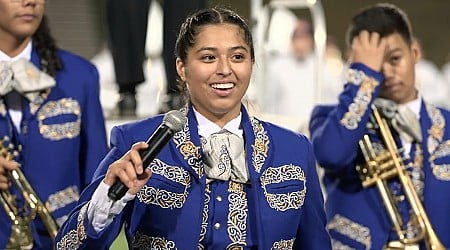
x,y
368,71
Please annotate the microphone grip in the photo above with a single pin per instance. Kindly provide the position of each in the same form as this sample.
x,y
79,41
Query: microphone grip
x,y
156,142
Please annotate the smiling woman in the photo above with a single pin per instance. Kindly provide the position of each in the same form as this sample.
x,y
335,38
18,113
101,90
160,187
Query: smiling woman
x,y
223,166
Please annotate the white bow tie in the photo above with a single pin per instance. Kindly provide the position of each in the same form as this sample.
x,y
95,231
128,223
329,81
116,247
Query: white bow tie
x,y
23,77
404,120
225,158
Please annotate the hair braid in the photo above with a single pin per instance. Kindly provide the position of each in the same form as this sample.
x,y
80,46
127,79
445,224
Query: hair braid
x,y
46,48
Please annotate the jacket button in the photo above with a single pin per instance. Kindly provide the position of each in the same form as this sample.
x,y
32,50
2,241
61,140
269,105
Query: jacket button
x,y
217,226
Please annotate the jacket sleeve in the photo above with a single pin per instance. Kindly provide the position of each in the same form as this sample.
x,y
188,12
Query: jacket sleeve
x,y
336,130
312,233
77,232
93,132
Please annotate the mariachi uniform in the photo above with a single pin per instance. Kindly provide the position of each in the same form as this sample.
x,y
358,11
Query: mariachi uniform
x,y
62,139
280,208
357,218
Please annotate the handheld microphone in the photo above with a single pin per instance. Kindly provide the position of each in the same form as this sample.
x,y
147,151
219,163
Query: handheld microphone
x,y
173,122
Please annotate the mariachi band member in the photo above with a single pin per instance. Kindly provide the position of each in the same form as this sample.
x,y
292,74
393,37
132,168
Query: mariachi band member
x,y
381,74
51,123
225,180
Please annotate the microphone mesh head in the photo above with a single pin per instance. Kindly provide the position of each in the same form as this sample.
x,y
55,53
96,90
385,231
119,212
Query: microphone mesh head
x,y
175,120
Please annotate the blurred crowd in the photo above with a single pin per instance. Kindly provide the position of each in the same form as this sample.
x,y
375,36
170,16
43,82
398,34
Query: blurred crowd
x,y
289,65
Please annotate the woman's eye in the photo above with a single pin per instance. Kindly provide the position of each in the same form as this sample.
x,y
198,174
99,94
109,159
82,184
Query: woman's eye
x,y
208,58
238,57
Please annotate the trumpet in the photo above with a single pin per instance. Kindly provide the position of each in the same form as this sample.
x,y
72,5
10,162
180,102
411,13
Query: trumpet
x,y
21,217
382,166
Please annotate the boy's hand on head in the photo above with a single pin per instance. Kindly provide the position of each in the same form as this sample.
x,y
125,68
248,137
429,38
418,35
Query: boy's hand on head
x,y
369,49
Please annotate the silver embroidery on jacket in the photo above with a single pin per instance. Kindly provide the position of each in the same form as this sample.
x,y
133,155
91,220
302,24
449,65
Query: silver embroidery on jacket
x,y
142,241
284,201
436,146
58,131
361,101
351,229
283,245
161,197
74,238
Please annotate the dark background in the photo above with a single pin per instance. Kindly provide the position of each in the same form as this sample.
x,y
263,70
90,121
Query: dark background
x,y
79,25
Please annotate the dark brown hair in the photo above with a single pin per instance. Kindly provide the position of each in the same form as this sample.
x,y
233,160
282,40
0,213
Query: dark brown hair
x,y
46,48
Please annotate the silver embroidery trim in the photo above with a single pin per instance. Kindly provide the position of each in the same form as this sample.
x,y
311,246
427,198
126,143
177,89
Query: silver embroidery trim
x,y
66,130
161,197
362,99
187,148
436,147
142,241
260,145
73,239
291,200
204,225
62,198
351,229
283,245
237,215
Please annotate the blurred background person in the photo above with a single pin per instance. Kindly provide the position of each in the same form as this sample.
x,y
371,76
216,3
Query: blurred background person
x,y
290,79
51,127
126,36
431,81
127,23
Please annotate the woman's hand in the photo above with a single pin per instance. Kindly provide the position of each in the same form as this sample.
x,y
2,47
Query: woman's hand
x,y
369,49
129,170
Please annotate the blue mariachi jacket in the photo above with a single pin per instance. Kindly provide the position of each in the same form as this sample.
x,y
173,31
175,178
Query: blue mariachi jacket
x,y
169,212
62,141
357,217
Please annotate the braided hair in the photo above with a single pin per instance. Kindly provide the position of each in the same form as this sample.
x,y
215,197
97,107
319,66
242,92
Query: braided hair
x,y
46,48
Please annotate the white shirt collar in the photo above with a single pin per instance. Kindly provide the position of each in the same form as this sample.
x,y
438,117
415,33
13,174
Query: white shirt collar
x,y
207,127
26,53
414,106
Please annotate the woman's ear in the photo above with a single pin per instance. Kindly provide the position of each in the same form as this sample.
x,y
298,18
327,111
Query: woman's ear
x,y
181,69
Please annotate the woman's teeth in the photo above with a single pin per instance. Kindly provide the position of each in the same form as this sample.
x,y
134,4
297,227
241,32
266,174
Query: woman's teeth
x,y
222,85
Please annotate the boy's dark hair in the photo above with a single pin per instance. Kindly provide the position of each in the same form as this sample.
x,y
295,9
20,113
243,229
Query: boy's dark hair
x,y
384,18
46,48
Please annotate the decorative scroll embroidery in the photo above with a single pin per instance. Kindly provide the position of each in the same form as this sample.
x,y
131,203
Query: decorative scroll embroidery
x,y
67,130
164,198
351,229
142,241
237,215
362,99
436,147
283,245
190,152
284,201
62,198
205,216
260,146
73,239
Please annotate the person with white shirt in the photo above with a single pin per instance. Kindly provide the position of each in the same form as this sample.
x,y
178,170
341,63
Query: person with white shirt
x,y
358,160
226,180
51,126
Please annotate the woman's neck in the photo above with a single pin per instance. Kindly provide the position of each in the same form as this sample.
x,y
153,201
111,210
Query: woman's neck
x,y
13,46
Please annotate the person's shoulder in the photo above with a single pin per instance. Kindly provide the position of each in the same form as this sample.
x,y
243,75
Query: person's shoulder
x,y
72,60
144,125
